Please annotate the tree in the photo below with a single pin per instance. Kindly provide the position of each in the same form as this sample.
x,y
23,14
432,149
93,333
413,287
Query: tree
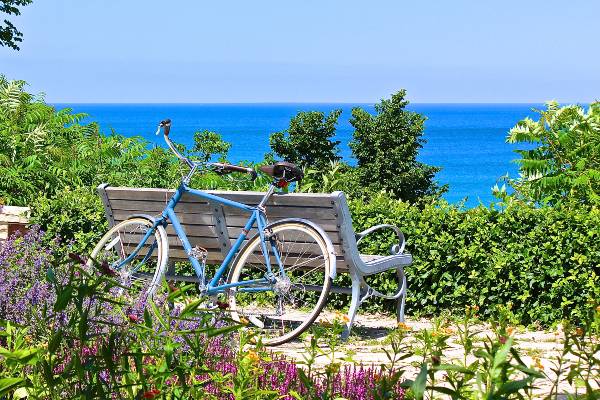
x,y
43,151
564,162
9,35
308,141
207,144
386,147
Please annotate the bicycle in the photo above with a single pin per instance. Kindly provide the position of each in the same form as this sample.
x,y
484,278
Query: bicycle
x,y
272,281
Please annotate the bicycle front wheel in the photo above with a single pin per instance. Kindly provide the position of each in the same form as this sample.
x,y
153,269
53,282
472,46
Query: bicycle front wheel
x,y
138,265
298,287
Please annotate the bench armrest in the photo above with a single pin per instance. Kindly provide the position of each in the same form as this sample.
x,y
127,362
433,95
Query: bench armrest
x,y
397,248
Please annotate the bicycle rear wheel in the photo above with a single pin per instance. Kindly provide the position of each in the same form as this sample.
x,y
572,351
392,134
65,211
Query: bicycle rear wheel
x,y
289,304
138,266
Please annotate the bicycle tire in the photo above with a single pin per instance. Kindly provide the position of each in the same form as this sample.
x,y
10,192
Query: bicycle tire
x,y
307,241
138,286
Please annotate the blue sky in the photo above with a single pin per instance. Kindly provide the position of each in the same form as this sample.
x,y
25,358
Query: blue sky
x,y
308,51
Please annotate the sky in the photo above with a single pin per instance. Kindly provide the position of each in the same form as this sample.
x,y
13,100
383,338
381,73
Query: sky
x,y
193,51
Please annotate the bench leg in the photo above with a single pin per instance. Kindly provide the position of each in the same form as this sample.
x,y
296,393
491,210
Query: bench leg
x,y
170,269
402,299
354,304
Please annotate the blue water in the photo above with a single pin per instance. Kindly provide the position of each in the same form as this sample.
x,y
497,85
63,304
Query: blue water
x,y
466,140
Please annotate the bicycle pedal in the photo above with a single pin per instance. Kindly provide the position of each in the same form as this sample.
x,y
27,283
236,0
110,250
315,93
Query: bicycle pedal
x,y
199,253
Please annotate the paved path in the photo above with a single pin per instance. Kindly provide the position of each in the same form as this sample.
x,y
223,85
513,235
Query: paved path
x,y
366,345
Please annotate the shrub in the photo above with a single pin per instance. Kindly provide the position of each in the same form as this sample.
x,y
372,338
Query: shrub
x,y
543,261
208,144
73,216
43,151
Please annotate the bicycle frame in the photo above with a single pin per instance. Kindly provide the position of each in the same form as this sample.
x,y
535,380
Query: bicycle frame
x,y
257,215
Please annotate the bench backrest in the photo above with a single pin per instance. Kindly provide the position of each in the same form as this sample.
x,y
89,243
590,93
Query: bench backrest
x,y
215,227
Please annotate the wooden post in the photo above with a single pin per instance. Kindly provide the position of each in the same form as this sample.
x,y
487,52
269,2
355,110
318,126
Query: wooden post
x,y
13,219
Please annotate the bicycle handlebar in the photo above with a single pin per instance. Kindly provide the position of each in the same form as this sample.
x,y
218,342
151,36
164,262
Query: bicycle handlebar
x,y
225,168
166,125
221,168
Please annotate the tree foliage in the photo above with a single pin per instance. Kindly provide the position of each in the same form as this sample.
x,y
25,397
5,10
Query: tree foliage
x,y
208,144
43,151
9,34
564,162
308,141
386,146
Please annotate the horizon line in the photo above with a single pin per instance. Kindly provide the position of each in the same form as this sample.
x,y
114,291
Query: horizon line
x,y
301,102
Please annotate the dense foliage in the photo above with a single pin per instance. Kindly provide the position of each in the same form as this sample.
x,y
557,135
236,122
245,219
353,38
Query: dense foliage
x,y
308,141
208,144
9,34
543,261
564,163
42,151
386,147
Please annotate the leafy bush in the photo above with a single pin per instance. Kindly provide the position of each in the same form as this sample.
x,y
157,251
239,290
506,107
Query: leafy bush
x,y
386,147
74,216
43,151
307,142
545,261
337,176
565,162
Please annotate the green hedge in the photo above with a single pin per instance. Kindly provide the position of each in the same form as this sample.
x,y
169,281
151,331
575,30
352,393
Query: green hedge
x,y
545,261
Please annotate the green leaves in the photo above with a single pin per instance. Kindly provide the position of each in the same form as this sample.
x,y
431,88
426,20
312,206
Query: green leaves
x,y
500,358
418,386
9,34
63,298
543,260
208,144
9,384
564,163
23,356
386,146
308,141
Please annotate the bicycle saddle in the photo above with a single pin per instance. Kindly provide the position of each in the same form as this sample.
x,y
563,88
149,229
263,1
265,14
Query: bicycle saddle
x,y
283,171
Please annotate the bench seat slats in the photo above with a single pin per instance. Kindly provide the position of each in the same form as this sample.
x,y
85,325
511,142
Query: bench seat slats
x,y
383,263
194,209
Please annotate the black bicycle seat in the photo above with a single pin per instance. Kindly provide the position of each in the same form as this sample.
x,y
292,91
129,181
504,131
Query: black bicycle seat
x,y
283,170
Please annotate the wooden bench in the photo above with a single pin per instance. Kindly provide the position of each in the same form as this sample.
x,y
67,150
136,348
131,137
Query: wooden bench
x,y
215,227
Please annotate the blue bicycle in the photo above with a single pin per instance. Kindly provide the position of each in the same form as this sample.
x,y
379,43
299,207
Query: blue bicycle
x,y
278,280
